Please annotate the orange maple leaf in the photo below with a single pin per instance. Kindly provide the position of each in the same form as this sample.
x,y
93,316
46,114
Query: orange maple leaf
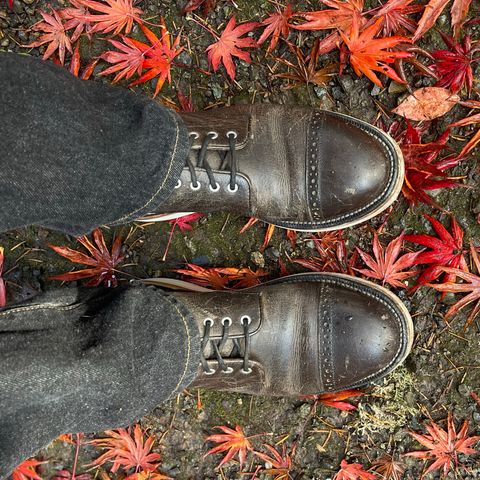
x,y
353,471
276,25
387,267
127,452
103,262
281,464
27,470
335,399
116,15
55,35
233,441
229,45
444,446
368,55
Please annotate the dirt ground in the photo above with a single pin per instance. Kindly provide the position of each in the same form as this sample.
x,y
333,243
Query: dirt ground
x,y
437,377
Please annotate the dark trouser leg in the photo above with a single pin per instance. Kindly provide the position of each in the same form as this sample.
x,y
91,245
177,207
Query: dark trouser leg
x,y
74,361
77,154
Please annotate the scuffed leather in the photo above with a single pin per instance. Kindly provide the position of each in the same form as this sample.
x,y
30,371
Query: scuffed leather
x,y
310,333
301,167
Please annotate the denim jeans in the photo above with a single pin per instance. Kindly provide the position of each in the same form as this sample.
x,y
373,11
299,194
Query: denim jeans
x,y
76,155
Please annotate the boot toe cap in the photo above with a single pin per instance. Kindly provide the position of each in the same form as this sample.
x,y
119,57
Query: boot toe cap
x,y
369,334
354,170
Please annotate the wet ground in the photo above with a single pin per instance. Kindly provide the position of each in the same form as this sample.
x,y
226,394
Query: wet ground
x,y
437,377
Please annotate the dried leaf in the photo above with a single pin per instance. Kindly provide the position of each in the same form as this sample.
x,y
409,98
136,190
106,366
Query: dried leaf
x,y
353,471
389,468
427,103
432,11
281,463
459,13
230,44
192,5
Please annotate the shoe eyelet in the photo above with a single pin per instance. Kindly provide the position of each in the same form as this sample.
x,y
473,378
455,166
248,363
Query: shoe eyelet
x,y
209,372
179,184
234,189
228,370
195,135
195,187
246,371
232,134
214,189
246,318
208,320
226,320
213,135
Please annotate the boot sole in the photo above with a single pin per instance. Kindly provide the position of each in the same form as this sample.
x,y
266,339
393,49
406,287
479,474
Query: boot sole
x,y
354,282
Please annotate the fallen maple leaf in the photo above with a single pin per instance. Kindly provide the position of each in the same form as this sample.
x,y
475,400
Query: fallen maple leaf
x,y
232,441
306,71
229,45
75,18
353,471
341,16
387,267
444,251
368,55
473,286
27,470
183,223
115,15
432,11
56,36
427,103
3,291
471,120
280,464
444,447
126,451
453,67
335,399
389,468
192,5
159,56
103,262
67,475
394,16
459,13
75,61
276,25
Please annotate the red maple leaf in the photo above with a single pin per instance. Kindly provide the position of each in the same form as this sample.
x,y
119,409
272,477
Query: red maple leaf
x,y
335,399
3,292
353,471
183,223
340,16
159,56
386,266
470,285
453,67
103,263
444,447
75,18
446,250
56,36
281,463
394,14
27,470
369,55
229,45
231,441
276,25
115,15
126,62
423,170
127,451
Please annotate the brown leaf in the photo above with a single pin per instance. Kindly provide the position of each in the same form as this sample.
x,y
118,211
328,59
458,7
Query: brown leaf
x,y
459,14
430,14
427,103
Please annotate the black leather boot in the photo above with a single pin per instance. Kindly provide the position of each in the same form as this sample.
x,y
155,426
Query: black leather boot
x,y
304,334
295,167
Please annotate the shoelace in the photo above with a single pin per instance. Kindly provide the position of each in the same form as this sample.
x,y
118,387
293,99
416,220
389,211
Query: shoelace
x,y
228,159
219,344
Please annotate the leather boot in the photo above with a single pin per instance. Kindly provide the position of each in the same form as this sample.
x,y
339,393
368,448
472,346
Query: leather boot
x,y
295,167
298,335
